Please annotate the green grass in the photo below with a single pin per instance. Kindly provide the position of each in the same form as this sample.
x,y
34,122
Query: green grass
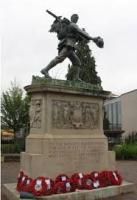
x,y
126,151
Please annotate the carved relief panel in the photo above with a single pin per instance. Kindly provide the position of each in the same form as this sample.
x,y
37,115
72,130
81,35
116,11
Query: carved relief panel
x,y
75,114
35,113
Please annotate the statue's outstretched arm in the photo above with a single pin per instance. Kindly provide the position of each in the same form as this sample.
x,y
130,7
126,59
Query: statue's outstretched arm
x,y
97,40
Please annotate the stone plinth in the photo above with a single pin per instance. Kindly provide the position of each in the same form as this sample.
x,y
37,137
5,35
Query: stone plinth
x,y
66,134
101,193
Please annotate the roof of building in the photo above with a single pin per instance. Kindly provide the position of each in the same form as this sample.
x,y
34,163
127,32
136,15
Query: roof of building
x,y
135,90
114,98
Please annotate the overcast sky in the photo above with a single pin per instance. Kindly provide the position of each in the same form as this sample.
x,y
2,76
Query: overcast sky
x,y
27,46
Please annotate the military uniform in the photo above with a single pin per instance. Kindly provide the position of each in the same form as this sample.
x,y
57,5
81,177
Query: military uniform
x,y
66,47
69,34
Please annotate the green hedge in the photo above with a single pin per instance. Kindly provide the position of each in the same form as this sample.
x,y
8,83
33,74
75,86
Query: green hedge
x,y
126,151
16,147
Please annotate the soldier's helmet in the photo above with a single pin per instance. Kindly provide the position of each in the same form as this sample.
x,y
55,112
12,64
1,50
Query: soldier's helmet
x,y
74,18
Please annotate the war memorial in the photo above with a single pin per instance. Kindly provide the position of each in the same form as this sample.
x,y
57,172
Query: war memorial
x,y
66,128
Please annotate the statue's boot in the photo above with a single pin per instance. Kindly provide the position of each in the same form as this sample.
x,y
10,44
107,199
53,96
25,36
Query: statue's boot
x,y
45,73
45,70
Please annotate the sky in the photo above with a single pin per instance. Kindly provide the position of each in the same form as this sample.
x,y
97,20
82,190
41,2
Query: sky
x,y
27,46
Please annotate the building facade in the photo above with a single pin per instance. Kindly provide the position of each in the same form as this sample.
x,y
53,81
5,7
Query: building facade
x,y
121,112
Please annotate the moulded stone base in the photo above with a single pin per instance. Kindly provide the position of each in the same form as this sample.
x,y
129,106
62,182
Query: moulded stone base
x,y
53,156
39,165
10,192
66,131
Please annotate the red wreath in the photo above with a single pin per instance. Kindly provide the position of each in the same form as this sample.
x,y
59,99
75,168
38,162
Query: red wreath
x,y
21,173
95,176
27,185
19,178
104,179
62,184
39,186
77,180
115,178
21,183
88,182
50,185
61,178
63,187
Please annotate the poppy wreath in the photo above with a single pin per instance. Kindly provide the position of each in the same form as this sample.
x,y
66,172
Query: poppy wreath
x,y
63,187
61,178
115,178
50,186
39,186
19,179
88,182
46,186
21,183
104,178
95,176
27,185
77,180
21,173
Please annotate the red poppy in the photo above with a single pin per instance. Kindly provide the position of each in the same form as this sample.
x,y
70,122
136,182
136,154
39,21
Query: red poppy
x,y
77,180
21,183
88,182
27,185
46,186
19,178
96,179
104,178
63,187
61,178
94,174
21,173
50,185
115,178
39,186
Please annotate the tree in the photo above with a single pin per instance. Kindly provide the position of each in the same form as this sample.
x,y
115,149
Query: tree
x,y
88,72
14,109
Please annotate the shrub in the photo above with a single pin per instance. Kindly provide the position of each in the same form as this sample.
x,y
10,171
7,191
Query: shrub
x,y
131,138
16,147
126,151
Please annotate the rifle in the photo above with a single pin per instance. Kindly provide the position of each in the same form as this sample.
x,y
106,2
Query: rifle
x,y
53,15
97,40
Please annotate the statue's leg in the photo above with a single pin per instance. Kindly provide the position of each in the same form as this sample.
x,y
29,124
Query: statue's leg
x,y
76,62
58,59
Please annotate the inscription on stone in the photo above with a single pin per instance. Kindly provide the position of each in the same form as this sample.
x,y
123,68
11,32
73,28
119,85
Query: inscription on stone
x,y
35,113
76,150
75,114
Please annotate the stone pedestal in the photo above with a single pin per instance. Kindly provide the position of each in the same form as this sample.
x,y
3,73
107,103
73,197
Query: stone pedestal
x,y
66,134
10,193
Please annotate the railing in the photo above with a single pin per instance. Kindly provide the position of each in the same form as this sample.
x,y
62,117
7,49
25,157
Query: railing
x,y
116,126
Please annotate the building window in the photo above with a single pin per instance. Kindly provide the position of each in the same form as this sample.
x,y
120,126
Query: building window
x,y
113,114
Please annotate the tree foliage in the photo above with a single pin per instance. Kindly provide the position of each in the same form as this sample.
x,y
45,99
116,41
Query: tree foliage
x,y
14,108
88,71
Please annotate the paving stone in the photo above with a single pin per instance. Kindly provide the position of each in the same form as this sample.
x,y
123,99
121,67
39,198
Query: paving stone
x,y
128,169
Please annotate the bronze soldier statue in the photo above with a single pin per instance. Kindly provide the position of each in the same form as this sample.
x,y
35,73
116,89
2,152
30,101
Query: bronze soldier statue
x,y
69,34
